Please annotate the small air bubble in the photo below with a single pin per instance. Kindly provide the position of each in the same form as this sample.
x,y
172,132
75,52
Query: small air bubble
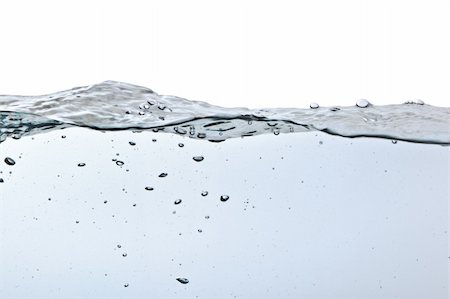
x,y
177,202
362,103
201,135
119,246
124,254
199,230
183,280
180,144
419,102
81,164
204,193
132,143
224,198
119,163
394,141
149,188
9,161
313,105
180,131
276,132
162,175
126,285
198,158
334,109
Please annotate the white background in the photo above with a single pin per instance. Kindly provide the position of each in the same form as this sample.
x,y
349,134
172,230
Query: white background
x,y
232,53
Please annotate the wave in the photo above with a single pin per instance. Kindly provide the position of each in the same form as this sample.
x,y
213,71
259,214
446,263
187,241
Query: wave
x,y
113,105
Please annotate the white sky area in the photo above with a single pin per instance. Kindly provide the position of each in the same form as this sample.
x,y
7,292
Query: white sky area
x,y
232,53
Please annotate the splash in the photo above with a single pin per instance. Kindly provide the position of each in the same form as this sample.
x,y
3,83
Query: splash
x,y
111,106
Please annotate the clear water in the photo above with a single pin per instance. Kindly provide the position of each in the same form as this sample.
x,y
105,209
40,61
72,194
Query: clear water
x,y
109,208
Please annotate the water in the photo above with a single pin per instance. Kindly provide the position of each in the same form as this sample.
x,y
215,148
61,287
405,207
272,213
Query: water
x,y
270,215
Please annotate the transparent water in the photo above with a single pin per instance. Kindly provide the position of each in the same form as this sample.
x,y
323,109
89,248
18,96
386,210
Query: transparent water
x,y
109,208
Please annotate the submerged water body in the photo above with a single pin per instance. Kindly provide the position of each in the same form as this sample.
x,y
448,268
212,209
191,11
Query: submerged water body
x,y
103,205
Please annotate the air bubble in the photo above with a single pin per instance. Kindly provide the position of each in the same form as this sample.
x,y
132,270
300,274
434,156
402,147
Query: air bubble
x,y
162,175
119,163
204,193
224,198
124,254
149,188
9,161
126,285
198,158
180,130
180,144
394,141
81,164
183,280
313,105
177,202
362,103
